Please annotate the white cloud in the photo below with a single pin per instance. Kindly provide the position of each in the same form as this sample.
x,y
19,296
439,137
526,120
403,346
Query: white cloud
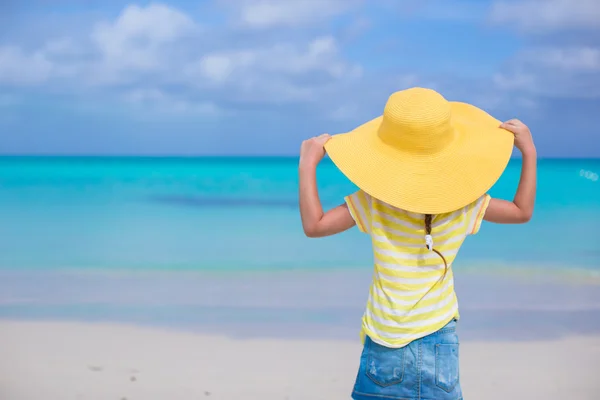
x,y
319,55
547,15
157,101
562,67
137,96
60,47
572,71
276,73
219,67
515,81
277,13
18,67
160,47
571,59
141,27
139,39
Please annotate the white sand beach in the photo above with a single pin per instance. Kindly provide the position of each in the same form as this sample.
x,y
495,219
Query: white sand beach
x,y
86,361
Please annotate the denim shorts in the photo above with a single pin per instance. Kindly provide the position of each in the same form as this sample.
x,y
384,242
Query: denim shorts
x,y
425,369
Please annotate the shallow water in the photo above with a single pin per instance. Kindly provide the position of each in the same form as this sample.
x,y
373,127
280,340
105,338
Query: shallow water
x,y
291,304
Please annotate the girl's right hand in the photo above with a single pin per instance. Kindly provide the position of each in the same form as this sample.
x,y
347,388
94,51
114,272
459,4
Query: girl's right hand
x,y
523,138
313,151
520,209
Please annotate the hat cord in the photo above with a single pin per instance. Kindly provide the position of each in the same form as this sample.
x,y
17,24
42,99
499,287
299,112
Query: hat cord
x,y
429,242
429,245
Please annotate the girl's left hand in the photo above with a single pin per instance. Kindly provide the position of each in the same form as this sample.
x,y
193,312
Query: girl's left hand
x,y
312,150
523,138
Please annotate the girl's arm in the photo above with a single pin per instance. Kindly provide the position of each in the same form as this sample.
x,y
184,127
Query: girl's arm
x,y
520,209
315,222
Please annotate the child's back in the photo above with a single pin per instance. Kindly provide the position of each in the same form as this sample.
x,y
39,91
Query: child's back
x,y
412,293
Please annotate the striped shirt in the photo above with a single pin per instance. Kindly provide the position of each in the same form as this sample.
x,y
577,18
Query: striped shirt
x,y
411,295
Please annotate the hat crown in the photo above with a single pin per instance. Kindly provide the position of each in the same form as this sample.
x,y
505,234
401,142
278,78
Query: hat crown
x,y
417,120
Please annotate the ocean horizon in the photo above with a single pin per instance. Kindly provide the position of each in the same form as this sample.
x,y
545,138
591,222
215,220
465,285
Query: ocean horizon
x,y
241,213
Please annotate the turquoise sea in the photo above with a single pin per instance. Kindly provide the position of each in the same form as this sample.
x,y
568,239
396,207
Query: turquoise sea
x,y
241,213
206,242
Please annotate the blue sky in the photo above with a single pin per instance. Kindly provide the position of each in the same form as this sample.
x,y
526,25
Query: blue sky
x,y
259,76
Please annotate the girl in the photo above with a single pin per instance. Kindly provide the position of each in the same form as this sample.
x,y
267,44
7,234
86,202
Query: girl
x,y
423,170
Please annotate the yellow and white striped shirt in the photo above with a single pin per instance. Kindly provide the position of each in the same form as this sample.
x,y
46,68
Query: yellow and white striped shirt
x,y
411,295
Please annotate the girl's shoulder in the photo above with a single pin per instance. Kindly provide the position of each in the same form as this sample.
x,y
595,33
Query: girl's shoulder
x,y
366,208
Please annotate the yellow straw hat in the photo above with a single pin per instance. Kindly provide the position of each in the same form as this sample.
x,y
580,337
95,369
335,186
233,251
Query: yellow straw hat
x,y
424,154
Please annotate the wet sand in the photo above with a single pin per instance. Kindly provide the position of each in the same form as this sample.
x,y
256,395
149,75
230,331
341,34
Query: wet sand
x,y
275,335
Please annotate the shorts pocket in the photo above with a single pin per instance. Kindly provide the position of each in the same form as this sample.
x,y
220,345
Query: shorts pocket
x,y
446,366
385,366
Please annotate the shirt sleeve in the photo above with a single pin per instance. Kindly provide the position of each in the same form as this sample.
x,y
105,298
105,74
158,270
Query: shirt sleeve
x,y
475,212
359,204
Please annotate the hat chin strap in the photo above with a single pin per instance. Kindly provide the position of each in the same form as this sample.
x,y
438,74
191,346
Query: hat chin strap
x,y
429,242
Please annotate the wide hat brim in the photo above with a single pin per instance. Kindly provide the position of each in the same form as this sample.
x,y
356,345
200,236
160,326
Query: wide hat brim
x,y
428,184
